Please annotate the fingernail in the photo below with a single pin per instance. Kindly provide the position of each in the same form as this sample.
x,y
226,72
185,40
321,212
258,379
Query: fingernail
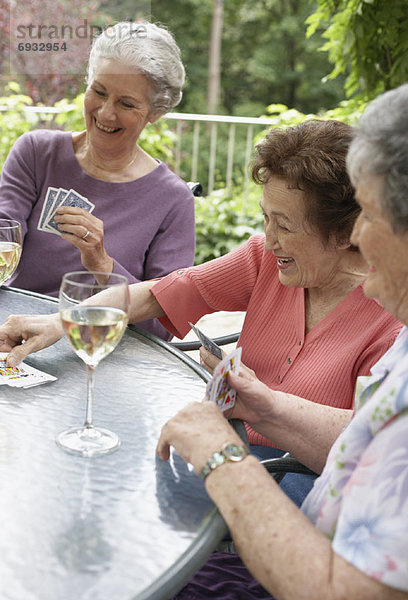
x,y
11,361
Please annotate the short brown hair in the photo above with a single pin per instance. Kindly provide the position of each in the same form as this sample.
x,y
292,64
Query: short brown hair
x,y
311,157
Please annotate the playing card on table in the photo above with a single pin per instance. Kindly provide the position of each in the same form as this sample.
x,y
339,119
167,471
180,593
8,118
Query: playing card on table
x,y
70,198
22,376
218,389
206,341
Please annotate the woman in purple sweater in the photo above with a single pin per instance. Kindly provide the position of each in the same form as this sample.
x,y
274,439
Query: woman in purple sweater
x,y
142,224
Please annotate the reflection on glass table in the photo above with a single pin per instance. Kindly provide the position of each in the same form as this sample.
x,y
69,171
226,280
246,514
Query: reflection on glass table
x,y
120,526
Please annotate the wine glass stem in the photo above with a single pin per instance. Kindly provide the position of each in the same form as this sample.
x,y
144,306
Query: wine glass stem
x,y
89,403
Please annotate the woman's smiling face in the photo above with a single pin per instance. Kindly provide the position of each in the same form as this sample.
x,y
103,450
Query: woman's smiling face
x,y
117,107
384,250
303,259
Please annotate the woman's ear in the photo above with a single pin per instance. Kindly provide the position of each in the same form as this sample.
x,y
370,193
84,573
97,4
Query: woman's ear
x,y
153,117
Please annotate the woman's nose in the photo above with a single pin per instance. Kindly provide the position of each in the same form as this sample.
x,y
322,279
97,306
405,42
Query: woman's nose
x,y
107,110
271,238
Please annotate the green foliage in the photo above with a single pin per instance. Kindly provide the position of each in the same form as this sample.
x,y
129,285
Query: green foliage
x,y
367,41
265,56
223,221
14,121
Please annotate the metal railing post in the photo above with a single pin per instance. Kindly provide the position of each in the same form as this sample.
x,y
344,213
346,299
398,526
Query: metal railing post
x,y
196,141
213,152
230,159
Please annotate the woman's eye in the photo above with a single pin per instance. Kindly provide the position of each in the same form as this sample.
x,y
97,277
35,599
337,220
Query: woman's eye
x,y
282,227
99,92
127,104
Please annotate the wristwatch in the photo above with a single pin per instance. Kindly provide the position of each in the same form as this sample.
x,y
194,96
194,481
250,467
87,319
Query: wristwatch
x,y
228,453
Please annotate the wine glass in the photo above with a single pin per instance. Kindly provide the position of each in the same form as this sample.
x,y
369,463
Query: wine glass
x,y
11,241
93,308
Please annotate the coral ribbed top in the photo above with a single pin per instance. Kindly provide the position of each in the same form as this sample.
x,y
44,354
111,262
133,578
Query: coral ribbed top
x,y
322,365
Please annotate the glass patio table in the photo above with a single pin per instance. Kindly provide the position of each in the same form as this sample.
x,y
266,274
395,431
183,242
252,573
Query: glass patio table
x,y
121,526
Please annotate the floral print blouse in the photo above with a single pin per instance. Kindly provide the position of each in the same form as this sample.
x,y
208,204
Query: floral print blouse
x,y
361,499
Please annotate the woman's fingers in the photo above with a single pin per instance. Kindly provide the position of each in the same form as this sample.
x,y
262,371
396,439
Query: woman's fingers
x,y
21,335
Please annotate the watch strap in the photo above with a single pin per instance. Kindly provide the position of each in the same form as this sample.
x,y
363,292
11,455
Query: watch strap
x,y
228,453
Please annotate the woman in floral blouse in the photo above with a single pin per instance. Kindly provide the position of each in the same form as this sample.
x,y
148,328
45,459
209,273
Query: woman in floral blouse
x,y
350,539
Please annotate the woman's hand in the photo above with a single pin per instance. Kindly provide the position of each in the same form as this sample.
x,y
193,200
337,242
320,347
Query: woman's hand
x,y
21,335
85,232
208,360
255,402
196,432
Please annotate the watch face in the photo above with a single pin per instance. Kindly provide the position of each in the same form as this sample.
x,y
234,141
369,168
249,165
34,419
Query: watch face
x,y
234,452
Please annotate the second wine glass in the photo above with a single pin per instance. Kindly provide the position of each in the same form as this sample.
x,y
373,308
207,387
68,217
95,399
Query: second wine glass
x,y
10,248
94,312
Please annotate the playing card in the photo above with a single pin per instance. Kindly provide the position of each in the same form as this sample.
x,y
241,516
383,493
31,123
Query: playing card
x,y
218,389
50,196
58,198
57,201
22,376
207,342
70,198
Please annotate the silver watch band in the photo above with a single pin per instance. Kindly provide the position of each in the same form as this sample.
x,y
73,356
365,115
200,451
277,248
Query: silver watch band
x,y
228,453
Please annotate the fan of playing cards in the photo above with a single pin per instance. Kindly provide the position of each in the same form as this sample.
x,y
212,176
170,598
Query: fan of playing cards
x,y
218,389
55,198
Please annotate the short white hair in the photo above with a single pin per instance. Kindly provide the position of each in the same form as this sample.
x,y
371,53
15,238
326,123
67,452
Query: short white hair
x,y
151,50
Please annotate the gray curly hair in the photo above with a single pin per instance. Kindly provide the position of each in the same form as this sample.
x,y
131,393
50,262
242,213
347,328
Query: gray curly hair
x,y
151,50
380,147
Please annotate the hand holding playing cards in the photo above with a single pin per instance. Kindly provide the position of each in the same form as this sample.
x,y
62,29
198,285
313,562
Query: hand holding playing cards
x,y
85,232
255,403
21,335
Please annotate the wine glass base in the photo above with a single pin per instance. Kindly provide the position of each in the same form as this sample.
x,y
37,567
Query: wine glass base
x,y
88,441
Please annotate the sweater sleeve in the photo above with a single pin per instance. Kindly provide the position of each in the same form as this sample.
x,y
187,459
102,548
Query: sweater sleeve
x,y
225,283
18,189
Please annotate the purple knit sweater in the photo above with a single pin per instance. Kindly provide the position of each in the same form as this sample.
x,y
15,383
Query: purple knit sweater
x,y
149,227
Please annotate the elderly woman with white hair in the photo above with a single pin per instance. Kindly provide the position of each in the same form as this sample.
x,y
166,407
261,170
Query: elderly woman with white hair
x,y
142,225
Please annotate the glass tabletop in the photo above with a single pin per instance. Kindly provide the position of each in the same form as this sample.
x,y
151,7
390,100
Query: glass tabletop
x,y
123,526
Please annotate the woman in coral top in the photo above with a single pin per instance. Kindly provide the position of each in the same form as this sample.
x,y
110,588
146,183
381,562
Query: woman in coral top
x,y
309,330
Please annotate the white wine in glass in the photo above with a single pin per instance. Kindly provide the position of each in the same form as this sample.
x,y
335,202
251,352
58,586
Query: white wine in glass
x,y
93,308
11,240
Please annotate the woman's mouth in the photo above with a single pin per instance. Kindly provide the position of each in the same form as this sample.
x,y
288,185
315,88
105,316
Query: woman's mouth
x,y
284,263
106,129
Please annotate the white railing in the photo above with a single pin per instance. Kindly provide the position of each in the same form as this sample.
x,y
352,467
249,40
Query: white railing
x,y
252,125
213,121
